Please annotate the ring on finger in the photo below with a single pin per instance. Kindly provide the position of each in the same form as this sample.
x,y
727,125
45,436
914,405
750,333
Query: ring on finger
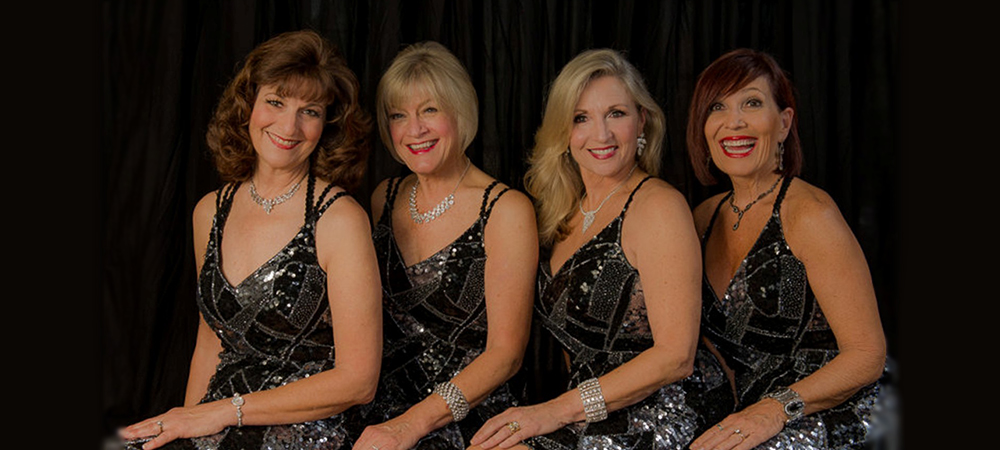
x,y
159,423
513,426
374,446
740,434
720,426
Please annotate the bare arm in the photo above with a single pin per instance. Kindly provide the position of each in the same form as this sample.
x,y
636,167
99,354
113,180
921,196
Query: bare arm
x,y
207,346
660,241
512,259
838,274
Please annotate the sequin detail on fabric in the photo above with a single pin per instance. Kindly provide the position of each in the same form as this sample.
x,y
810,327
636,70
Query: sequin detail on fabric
x,y
594,305
771,331
275,328
434,324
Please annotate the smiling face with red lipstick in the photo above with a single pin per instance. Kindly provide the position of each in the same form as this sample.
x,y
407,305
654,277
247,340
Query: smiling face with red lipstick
x,y
424,133
284,129
606,125
744,128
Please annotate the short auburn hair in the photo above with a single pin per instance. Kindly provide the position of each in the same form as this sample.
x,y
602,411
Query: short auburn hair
x,y
301,64
726,75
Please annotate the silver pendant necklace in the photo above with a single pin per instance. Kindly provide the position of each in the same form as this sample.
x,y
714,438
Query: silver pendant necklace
x,y
436,211
740,213
588,216
268,204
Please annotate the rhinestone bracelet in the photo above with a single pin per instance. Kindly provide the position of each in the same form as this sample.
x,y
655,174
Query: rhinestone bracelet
x,y
453,396
593,400
238,403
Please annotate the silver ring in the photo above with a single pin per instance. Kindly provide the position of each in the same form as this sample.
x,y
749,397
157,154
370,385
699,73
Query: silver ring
x,y
513,426
159,423
720,426
375,446
738,432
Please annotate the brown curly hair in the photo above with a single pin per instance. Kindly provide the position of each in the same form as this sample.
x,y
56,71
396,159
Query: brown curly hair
x,y
302,64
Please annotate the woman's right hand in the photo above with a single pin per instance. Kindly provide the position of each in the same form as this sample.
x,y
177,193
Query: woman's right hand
x,y
516,424
182,422
744,429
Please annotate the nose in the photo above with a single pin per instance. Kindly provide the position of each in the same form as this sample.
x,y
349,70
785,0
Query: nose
x,y
287,123
603,132
734,120
416,127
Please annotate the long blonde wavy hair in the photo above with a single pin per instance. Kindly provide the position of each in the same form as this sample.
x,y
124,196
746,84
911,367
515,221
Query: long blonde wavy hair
x,y
553,178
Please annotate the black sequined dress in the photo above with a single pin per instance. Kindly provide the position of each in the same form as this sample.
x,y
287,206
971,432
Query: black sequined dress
x,y
275,328
434,325
772,333
595,307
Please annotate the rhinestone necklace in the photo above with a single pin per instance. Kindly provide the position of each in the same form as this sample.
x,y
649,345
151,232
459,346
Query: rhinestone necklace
x,y
739,213
436,211
267,204
588,216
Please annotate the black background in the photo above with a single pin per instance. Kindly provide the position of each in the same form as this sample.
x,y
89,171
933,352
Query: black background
x,y
103,337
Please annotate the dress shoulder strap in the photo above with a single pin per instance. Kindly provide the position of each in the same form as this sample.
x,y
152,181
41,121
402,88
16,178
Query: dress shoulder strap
x,y
715,214
224,202
314,210
484,209
632,195
781,195
391,190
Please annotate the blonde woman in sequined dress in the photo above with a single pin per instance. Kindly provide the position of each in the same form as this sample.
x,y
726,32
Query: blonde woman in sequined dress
x,y
456,251
619,276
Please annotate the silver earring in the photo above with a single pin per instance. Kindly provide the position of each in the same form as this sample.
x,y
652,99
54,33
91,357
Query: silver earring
x,y
781,156
641,143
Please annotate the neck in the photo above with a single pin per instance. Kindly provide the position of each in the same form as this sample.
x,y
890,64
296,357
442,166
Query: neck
x,y
598,187
443,182
747,189
272,182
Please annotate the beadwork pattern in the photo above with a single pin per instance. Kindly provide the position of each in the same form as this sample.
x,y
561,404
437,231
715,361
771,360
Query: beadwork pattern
x,y
275,328
772,333
434,324
595,307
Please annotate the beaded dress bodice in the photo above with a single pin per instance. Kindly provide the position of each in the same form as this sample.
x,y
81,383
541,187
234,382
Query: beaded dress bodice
x,y
275,328
595,307
772,332
434,323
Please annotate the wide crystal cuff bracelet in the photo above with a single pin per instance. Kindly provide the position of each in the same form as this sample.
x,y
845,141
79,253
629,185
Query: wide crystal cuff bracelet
x,y
456,401
593,400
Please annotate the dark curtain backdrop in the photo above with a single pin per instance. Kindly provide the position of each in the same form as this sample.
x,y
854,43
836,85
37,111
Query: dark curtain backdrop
x,y
165,63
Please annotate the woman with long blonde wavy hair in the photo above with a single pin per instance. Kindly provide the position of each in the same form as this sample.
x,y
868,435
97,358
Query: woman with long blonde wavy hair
x,y
619,275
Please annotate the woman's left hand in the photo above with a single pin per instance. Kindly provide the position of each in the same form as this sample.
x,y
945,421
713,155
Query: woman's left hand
x,y
745,429
396,433
514,425
180,422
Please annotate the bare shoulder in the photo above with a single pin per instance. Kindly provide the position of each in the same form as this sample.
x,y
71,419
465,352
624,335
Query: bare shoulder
x,y
345,217
657,202
704,211
808,209
513,204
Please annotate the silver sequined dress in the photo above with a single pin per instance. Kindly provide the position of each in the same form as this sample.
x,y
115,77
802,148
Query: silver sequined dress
x,y
772,333
275,328
595,307
434,325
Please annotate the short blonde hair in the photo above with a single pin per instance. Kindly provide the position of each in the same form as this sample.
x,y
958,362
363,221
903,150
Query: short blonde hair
x,y
431,66
553,178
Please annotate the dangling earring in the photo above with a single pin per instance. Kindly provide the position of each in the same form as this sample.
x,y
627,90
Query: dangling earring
x,y
641,143
781,156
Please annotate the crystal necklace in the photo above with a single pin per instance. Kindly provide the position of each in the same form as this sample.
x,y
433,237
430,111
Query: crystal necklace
x,y
588,216
267,204
736,209
428,216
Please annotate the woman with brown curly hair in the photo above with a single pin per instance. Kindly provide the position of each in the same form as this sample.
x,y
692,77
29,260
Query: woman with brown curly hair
x,y
299,272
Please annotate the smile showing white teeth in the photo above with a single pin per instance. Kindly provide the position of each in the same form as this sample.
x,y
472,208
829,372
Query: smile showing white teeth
x,y
604,151
423,145
285,142
739,146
